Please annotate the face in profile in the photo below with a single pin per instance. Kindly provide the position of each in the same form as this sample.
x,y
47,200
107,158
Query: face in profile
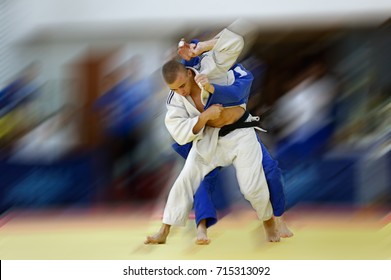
x,y
182,83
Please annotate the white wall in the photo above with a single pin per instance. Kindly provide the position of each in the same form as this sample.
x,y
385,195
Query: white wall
x,y
54,59
55,32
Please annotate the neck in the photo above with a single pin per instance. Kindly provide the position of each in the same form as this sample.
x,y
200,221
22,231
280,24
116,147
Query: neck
x,y
195,93
195,90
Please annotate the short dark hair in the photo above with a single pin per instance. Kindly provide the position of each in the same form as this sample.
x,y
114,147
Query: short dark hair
x,y
171,69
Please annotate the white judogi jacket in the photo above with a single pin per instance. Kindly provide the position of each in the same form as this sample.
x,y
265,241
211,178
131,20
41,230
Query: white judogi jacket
x,y
239,148
216,62
182,115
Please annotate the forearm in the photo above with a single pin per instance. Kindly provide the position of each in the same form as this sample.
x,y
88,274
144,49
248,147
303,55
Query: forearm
x,y
202,120
212,113
227,116
205,46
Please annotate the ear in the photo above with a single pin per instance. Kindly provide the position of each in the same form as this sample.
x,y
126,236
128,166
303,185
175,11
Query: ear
x,y
189,73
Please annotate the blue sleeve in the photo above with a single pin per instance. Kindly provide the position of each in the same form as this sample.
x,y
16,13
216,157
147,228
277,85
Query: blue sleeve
x,y
235,94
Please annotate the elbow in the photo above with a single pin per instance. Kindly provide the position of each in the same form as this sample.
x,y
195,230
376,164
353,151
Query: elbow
x,y
184,139
181,141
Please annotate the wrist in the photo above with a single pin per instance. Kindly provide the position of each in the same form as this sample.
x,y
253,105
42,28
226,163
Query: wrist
x,y
208,45
203,118
205,46
210,88
211,43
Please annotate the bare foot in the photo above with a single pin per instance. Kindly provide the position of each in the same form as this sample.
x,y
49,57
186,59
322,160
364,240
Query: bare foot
x,y
202,235
202,240
283,229
271,230
160,237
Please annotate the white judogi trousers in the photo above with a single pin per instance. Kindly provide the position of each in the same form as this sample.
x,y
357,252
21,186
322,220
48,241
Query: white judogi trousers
x,y
240,148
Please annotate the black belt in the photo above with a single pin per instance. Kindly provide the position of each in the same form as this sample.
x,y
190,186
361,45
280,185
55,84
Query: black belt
x,y
241,123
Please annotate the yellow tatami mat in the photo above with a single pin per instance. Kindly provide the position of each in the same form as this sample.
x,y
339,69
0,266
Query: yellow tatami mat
x,y
119,235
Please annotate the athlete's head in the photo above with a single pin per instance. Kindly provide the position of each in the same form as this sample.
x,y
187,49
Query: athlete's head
x,y
177,77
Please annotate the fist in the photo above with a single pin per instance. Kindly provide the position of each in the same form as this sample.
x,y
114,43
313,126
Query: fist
x,y
214,111
203,81
186,50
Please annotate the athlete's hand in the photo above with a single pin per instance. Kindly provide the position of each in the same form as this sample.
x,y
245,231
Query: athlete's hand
x,y
203,81
186,50
198,49
213,112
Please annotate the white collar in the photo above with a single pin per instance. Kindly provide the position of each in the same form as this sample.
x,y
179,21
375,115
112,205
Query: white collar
x,y
204,93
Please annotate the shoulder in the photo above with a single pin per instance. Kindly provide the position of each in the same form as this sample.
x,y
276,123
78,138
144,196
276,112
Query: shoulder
x,y
239,71
174,99
170,97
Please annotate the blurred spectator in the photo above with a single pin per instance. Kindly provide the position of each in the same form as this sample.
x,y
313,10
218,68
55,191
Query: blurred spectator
x,y
258,68
304,114
50,141
128,110
15,118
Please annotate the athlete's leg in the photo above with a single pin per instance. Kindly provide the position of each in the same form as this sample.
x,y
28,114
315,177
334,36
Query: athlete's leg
x,y
180,199
204,209
276,188
251,178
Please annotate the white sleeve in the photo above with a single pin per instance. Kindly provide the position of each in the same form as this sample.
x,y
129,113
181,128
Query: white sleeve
x,y
180,124
227,49
224,54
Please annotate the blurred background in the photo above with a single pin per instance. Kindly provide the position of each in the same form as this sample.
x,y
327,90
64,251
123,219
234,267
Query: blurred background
x,y
82,101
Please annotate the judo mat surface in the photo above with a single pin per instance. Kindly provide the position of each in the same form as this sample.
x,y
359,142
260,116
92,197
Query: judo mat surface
x,y
118,234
